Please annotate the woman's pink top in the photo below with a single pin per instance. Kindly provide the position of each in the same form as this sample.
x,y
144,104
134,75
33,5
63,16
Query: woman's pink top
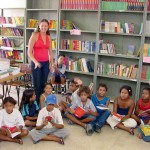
x,y
40,50
143,107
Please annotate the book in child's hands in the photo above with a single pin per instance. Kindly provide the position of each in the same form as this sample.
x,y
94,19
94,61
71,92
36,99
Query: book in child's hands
x,y
79,112
48,118
117,116
102,107
12,130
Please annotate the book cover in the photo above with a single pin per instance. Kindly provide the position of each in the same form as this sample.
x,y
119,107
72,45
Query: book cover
x,y
116,116
102,107
12,130
79,112
130,50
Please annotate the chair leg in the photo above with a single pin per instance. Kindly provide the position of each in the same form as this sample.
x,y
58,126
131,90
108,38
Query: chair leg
x,y
18,93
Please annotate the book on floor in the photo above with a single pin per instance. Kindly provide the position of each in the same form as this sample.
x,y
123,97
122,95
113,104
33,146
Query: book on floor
x,y
79,112
12,130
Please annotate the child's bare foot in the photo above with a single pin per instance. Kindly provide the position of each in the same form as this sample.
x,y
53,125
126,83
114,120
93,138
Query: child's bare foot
x,y
61,141
131,131
139,136
19,141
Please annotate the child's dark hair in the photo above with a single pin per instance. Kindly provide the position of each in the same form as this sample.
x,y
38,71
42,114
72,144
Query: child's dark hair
x,y
128,88
146,88
61,55
102,85
85,89
38,28
47,83
9,100
27,94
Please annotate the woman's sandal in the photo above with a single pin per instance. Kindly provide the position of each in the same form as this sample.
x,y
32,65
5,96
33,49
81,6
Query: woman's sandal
x,y
61,141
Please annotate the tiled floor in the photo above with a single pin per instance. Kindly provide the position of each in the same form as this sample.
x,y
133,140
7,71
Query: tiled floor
x,y
108,139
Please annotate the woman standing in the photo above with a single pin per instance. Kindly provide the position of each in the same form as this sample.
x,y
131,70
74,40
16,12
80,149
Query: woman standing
x,y
41,55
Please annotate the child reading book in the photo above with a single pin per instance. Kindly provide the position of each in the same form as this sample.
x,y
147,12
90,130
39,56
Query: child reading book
x,y
47,90
11,122
142,110
123,106
58,74
49,126
144,132
101,103
82,111
29,108
73,88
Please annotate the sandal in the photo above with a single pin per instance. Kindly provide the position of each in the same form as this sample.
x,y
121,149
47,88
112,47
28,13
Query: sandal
x,y
61,141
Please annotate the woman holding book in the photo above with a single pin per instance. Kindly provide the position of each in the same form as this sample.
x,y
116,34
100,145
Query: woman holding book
x,y
122,111
41,55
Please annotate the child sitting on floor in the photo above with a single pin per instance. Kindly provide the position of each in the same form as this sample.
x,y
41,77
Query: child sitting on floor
x,y
123,106
73,88
11,119
58,74
99,99
142,110
47,90
85,104
29,107
49,126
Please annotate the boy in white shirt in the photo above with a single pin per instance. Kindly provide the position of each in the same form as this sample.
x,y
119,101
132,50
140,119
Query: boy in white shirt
x,y
11,121
49,126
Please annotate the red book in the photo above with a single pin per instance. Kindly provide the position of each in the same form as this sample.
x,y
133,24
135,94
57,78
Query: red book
x,y
116,116
79,112
48,118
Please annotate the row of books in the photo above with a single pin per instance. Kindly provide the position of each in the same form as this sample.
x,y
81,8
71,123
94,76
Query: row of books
x,y
18,21
145,73
80,4
18,55
12,32
118,27
146,51
53,43
81,64
85,46
33,23
120,70
122,6
7,42
68,24
106,48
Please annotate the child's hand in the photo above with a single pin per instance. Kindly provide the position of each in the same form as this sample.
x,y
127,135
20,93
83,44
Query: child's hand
x,y
45,122
70,110
90,112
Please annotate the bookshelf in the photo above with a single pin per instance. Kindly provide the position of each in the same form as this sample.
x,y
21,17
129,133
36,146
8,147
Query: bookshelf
x,y
77,47
12,28
38,10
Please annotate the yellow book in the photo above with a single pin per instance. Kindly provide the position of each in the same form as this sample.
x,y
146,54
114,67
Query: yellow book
x,y
146,129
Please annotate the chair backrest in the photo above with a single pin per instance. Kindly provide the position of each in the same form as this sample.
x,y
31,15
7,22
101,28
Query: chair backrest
x,y
25,68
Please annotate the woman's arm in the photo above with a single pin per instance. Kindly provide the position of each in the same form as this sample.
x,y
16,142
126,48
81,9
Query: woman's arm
x,y
50,52
30,118
31,43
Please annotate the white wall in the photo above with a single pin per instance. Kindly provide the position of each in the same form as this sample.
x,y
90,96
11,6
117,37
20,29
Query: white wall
x,y
12,3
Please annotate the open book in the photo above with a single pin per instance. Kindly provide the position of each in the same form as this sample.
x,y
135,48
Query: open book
x,y
117,116
12,130
79,112
102,107
144,112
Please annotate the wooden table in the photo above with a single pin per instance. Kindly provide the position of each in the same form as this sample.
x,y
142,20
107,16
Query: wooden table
x,y
6,80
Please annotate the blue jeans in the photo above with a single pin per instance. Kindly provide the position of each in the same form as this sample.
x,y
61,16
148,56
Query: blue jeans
x,y
145,138
39,76
101,118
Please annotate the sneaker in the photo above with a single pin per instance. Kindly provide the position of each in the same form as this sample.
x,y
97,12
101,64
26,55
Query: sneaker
x,y
97,128
89,129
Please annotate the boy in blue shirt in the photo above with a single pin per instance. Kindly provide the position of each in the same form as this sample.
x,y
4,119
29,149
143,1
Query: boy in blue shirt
x,y
99,99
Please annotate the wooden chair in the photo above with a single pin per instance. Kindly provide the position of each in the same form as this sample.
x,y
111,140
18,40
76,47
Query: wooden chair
x,y
23,81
